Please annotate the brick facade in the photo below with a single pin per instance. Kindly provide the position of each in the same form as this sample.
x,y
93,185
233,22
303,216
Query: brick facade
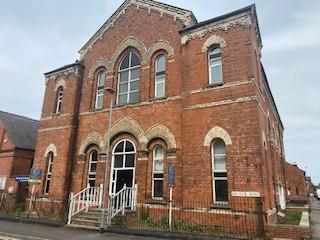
x,y
296,182
193,113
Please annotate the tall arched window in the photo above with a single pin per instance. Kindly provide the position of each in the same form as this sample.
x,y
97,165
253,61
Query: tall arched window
x,y
219,171
47,182
59,100
100,89
123,162
215,65
157,173
160,78
92,170
128,82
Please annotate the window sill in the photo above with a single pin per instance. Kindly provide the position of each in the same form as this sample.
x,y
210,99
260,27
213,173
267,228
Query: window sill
x,y
56,115
96,109
159,98
222,205
212,85
156,201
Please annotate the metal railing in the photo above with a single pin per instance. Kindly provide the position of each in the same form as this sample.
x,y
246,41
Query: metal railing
x,y
88,197
126,198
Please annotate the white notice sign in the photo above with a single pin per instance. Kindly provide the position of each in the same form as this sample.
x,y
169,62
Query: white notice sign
x,y
245,194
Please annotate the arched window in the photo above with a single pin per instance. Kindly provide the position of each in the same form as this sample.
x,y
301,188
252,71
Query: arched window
x,y
160,78
92,171
47,182
123,161
128,82
215,65
59,100
100,89
219,171
157,173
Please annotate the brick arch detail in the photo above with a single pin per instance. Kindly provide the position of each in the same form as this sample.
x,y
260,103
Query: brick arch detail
x,y
217,132
98,64
92,138
128,42
160,45
127,125
161,131
214,39
60,83
51,148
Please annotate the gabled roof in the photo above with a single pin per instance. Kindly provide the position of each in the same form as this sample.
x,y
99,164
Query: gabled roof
x,y
21,130
186,16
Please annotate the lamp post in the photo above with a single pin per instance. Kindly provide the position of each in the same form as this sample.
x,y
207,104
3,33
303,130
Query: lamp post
x,y
111,91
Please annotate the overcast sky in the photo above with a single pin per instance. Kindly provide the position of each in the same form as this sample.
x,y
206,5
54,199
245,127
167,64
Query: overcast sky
x,y
38,36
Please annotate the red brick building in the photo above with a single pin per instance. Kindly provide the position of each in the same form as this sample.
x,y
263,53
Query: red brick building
x,y
296,183
185,93
18,137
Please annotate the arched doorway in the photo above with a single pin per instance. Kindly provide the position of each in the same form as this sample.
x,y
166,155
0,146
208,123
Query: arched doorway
x,y
123,166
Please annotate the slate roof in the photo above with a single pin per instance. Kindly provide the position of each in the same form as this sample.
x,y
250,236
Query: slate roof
x,y
21,130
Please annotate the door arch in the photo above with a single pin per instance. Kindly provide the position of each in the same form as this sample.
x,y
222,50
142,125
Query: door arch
x,y
123,165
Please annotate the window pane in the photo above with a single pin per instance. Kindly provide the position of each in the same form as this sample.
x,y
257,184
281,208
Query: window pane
x,y
134,97
216,76
135,73
125,62
221,190
160,89
123,88
120,147
161,64
94,156
130,160
129,147
220,174
158,165
220,163
99,103
217,50
134,86
124,76
158,175
219,146
47,186
93,167
134,60
159,153
92,183
158,188
101,78
123,99
118,161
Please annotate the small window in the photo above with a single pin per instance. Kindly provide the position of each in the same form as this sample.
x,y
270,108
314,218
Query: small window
x,y
3,182
128,80
48,173
100,89
157,175
92,171
160,78
219,173
215,66
59,100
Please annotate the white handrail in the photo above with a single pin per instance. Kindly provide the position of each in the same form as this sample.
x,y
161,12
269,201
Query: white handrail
x,y
88,197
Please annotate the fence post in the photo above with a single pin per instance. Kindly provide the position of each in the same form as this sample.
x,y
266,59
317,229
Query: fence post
x,y
123,198
260,218
134,208
87,197
100,195
170,209
70,208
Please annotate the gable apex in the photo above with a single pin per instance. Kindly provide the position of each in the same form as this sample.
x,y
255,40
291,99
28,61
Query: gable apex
x,y
185,16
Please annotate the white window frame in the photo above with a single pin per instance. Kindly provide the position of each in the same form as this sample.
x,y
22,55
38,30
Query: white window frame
x,y
113,175
213,155
100,90
49,160
3,180
211,65
157,172
160,77
90,172
129,80
59,100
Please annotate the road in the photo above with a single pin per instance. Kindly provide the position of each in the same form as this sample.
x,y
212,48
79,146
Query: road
x,y
315,216
18,231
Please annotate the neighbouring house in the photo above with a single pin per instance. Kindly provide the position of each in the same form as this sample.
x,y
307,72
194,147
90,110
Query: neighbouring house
x,y
296,183
310,186
18,136
185,93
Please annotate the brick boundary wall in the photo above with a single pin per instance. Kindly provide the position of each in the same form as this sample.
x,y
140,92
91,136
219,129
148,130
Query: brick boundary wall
x,y
288,232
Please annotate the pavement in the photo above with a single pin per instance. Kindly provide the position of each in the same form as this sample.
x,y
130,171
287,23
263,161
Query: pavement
x,y
315,216
23,231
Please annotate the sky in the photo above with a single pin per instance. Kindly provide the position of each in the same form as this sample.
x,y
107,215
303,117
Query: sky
x,y
38,36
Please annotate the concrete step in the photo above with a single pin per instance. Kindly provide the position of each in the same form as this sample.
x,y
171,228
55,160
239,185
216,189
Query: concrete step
x,y
80,226
85,222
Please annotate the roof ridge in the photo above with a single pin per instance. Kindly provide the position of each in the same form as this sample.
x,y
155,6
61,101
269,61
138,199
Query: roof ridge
x,y
14,114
